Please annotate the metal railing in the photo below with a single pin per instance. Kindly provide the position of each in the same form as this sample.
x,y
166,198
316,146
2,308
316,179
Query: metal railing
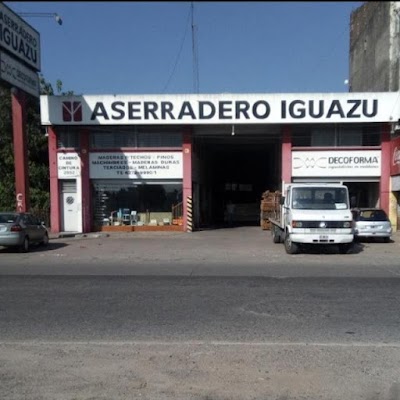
x,y
177,211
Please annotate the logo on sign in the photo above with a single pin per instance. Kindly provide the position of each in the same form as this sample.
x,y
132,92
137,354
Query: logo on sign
x,y
72,111
309,162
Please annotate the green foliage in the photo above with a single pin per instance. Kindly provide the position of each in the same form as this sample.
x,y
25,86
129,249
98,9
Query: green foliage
x,y
47,88
38,159
7,185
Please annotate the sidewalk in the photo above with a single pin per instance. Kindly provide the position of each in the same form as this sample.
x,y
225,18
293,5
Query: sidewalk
x,y
77,235
237,251
92,235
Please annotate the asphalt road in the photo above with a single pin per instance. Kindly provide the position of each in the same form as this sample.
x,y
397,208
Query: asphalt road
x,y
126,308
157,318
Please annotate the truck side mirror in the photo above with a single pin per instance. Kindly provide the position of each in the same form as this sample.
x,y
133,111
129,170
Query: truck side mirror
x,y
282,201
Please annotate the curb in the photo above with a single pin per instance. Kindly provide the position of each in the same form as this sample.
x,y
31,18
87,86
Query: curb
x,y
78,235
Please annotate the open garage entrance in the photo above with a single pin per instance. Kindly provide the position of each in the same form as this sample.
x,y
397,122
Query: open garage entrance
x,y
363,194
234,168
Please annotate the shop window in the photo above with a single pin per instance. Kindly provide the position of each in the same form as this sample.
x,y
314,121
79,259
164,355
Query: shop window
x,y
323,138
301,139
336,136
350,137
154,139
126,202
112,140
133,137
371,138
67,139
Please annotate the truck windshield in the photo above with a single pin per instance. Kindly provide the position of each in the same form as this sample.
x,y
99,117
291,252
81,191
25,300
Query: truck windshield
x,y
320,198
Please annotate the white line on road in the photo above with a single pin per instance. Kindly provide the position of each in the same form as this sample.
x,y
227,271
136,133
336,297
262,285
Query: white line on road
x,y
202,343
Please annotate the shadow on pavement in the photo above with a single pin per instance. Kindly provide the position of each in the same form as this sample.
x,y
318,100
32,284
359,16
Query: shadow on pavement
x,y
35,248
374,240
356,248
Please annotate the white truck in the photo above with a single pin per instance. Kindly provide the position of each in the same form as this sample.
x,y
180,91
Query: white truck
x,y
313,213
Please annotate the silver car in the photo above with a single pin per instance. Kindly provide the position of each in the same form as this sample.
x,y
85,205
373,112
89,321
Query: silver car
x,y
371,223
20,230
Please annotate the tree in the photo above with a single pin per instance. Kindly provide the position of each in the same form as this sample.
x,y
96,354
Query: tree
x,y
7,182
47,88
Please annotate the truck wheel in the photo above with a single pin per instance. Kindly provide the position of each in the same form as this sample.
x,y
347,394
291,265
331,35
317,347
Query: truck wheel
x,y
290,247
276,236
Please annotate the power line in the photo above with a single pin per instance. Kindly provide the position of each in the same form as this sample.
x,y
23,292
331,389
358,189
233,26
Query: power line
x,y
179,53
195,53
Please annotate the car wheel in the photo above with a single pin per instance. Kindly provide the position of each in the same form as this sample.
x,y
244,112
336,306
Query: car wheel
x,y
45,240
24,248
290,247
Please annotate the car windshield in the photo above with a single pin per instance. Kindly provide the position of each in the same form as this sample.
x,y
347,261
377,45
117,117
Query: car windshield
x,y
320,198
372,215
8,218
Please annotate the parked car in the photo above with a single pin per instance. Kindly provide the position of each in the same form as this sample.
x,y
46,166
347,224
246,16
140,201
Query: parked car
x,y
20,230
371,223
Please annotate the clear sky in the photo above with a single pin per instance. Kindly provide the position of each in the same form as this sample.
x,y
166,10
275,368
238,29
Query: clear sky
x,y
116,47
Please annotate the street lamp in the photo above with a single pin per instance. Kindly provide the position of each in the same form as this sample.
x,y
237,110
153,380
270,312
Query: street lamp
x,y
44,15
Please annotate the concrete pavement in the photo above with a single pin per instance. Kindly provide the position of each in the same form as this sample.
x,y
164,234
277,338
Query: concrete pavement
x,y
78,235
245,251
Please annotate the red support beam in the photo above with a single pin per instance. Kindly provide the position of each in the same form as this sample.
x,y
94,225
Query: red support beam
x,y
18,105
86,198
55,224
286,154
384,188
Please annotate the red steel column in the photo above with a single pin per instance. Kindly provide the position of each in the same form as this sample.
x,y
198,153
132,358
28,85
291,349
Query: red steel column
x,y
54,188
384,187
85,179
187,181
286,154
18,104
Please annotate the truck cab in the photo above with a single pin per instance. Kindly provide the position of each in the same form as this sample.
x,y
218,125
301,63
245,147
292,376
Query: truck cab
x,y
314,214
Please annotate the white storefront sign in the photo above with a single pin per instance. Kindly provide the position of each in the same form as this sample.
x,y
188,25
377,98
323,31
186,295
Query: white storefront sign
x,y
134,165
14,72
19,38
336,163
220,108
68,165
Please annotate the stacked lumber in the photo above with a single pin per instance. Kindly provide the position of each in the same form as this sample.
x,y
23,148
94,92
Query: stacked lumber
x,y
269,208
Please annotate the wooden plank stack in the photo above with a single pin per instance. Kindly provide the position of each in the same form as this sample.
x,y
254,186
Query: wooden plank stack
x,y
269,208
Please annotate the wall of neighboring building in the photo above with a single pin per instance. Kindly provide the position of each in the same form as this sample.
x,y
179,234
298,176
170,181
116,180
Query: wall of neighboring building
x,y
371,64
374,67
